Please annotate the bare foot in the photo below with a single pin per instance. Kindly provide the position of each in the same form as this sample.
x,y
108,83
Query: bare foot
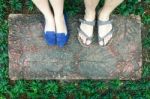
x,y
87,29
102,31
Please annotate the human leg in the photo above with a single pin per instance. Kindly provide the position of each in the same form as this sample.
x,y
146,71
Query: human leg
x,y
43,6
104,15
90,7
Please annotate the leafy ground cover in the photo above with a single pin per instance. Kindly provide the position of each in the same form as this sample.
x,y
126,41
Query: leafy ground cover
x,y
83,89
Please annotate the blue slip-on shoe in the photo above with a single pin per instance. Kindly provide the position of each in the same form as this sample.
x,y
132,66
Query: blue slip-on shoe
x,y
61,38
50,38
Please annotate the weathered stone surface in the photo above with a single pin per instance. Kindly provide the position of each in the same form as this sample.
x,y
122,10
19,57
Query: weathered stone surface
x,y
31,58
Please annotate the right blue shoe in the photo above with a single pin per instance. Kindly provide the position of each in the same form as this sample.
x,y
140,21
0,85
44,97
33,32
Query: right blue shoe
x,y
50,38
61,38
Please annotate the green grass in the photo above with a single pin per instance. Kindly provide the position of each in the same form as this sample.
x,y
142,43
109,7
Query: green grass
x,y
84,89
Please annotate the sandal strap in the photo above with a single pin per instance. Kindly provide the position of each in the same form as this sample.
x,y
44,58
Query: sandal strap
x,y
102,38
92,23
104,22
82,32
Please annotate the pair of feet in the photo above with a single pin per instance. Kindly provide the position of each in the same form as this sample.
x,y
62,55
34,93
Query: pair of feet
x,y
56,30
86,29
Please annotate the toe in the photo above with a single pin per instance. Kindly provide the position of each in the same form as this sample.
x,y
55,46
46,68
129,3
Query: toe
x,y
82,37
101,43
88,42
106,40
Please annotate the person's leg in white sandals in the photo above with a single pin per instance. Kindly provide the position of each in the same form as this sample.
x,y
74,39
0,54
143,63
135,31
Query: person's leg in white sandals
x,y
90,7
43,6
104,15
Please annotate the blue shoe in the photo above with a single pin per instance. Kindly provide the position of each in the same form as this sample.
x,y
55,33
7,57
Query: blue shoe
x,y
61,38
50,38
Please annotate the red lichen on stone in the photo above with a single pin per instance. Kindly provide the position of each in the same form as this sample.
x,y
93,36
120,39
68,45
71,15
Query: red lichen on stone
x,y
14,56
129,67
120,65
133,47
31,48
14,65
26,62
112,50
120,37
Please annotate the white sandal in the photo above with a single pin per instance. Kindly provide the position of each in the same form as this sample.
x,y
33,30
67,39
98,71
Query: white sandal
x,y
109,33
92,23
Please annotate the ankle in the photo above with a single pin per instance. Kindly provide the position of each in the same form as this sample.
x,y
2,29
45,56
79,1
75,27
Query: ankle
x,y
59,16
49,19
49,24
90,15
104,16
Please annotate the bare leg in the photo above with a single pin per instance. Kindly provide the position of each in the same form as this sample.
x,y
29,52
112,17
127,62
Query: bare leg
x,y
45,9
104,15
90,6
58,6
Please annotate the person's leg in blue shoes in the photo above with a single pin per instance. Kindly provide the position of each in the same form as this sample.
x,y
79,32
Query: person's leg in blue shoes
x,y
62,34
55,31
49,29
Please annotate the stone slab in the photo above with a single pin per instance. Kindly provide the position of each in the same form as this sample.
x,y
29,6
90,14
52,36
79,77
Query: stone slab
x,y
31,58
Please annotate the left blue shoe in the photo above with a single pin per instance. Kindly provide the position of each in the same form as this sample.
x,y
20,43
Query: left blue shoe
x,y
50,38
61,38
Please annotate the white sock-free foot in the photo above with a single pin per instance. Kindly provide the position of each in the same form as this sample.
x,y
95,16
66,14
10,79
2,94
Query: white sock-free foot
x,y
88,30
60,24
49,24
